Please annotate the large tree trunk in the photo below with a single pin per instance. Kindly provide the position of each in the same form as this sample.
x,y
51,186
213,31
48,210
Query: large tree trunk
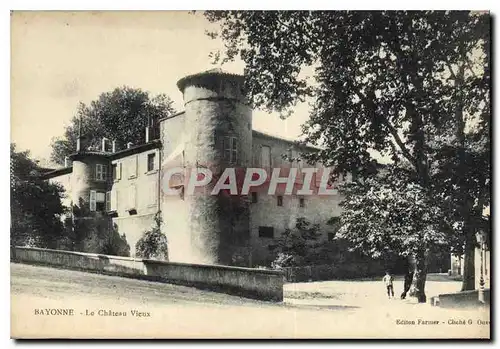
x,y
417,288
409,271
469,277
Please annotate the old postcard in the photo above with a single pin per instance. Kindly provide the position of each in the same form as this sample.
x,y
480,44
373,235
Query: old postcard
x,y
250,174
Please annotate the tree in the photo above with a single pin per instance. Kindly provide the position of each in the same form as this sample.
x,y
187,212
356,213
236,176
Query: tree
x,y
120,115
388,82
36,207
297,247
390,213
153,244
94,232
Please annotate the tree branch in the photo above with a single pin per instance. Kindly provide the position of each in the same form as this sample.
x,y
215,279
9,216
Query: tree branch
x,y
451,71
392,130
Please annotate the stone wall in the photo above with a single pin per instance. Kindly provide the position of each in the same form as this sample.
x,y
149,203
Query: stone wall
x,y
266,212
245,282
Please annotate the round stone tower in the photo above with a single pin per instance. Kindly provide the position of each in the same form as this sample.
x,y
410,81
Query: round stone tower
x,y
218,126
83,177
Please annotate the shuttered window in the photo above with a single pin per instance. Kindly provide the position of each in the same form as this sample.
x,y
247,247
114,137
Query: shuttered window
x,y
114,200
117,171
151,162
101,172
230,148
108,201
92,200
132,167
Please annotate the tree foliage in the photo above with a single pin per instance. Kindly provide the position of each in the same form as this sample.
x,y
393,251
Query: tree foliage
x,y
296,247
36,207
93,232
410,86
121,115
390,214
153,244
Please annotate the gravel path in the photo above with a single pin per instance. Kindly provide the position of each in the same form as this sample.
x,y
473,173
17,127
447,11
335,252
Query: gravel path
x,y
331,309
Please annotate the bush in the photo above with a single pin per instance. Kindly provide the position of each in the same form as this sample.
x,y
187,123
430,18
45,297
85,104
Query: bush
x,y
298,246
93,232
153,244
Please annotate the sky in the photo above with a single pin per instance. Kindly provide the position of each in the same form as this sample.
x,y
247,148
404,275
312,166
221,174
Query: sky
x,y
62,58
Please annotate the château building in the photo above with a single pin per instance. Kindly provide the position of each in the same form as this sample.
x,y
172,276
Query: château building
x,y
215,130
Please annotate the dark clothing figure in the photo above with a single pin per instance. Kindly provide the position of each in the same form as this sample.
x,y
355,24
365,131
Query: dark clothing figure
x,y
407,284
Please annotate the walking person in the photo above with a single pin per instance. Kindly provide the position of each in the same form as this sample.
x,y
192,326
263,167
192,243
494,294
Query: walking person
x,y
407,284
388,281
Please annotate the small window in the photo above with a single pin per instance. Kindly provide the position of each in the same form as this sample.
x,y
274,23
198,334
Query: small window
x,y
100,201
131,166
280,200
266,232
151,162
302,202
92,200
100,172
254,197
97,201
114,171
108,199
230,148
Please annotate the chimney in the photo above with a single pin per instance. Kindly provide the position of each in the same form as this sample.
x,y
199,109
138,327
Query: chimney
x,y
129,144
78,144
66,161
147,134
104,139
113,146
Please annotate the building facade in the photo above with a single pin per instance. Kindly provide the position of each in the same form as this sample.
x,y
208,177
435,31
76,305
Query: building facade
x,y
214,131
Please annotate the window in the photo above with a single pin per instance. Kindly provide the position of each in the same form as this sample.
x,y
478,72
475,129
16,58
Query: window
x,y
132,167
100,201
302,202
97,201
108,200
331,236
230,149
116,171
92,201
265,156
111,200
266,232
151,162
280,200
254,197
100,172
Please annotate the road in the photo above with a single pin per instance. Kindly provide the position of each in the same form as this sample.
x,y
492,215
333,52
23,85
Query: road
x,y
331,309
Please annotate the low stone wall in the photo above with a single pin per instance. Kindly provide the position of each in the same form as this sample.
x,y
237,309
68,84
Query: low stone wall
x,y
463,299
245,282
